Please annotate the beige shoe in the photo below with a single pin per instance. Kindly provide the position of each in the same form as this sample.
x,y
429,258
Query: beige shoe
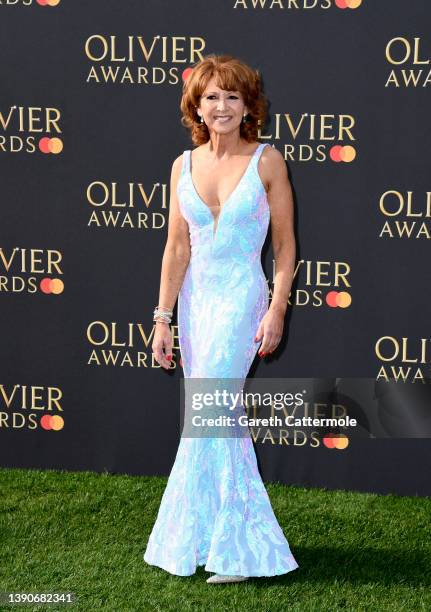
x,y
219,578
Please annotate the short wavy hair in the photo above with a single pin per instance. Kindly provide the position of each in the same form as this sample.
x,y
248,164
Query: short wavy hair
x,y
231,74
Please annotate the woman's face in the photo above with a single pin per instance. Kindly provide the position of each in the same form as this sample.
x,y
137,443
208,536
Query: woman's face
x,y
221,110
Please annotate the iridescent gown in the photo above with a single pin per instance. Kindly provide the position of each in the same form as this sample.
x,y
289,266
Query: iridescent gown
x,y
215,510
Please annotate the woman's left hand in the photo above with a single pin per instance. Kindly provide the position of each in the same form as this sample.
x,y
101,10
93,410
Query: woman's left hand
x,y
271,330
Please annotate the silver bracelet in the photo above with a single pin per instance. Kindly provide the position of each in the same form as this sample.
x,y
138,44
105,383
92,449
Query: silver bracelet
x,y
162,315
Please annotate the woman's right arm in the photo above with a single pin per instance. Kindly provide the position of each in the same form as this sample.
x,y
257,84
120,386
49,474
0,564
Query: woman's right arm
x,y
175,261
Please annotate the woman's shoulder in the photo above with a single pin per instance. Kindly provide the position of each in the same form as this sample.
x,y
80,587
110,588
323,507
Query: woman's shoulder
x,y
179,159
271,165
271,155
177,166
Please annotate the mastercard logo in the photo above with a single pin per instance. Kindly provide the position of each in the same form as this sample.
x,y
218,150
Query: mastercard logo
x,y
186,73
52,285
351,4
48,2
339,441
55,422
340,299
50,145
339,153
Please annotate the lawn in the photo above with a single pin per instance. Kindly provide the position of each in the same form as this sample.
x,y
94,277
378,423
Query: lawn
x,y
85,533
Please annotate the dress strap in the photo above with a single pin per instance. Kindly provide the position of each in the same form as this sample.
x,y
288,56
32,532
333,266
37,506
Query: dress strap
x,y
256,155
186,162
258,152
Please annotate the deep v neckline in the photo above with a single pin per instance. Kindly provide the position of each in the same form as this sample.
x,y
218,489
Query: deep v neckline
x,y
230,196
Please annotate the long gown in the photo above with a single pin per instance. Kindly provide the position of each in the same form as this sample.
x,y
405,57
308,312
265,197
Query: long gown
x,y
215,510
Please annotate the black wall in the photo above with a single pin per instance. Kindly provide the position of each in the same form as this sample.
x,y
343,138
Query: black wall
x,y
78,289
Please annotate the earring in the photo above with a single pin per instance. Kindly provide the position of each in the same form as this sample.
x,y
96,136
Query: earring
x,y
201,118
244,118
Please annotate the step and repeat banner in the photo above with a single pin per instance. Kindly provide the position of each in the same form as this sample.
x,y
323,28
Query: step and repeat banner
x,y
89,128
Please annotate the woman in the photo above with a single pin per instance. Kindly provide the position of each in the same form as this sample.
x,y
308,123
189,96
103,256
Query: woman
x,y
215,510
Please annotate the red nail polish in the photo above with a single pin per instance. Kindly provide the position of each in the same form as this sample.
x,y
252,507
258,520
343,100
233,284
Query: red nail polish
x,y
169,357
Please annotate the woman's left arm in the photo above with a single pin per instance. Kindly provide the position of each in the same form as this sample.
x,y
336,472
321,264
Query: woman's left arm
x,y
280,200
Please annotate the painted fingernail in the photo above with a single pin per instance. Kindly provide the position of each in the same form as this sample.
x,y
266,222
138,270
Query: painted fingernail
x,y
169,357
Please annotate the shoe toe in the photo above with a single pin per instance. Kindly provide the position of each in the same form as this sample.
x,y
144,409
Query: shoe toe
x,y
219,579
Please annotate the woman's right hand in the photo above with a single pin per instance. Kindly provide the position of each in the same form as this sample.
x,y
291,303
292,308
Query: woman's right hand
x,y
162,344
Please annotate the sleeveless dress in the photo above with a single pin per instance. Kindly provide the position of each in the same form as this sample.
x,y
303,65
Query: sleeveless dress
x,y
215,510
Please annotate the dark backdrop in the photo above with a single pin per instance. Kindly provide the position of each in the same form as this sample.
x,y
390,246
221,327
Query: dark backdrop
x,y
80,332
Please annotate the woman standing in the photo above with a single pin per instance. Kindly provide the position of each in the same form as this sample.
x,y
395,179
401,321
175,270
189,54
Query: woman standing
x,y
215,510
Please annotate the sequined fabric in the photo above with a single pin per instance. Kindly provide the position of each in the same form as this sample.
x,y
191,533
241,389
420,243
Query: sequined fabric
x,y
215,510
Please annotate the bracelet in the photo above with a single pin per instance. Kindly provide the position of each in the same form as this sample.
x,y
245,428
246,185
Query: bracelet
x,y
164,316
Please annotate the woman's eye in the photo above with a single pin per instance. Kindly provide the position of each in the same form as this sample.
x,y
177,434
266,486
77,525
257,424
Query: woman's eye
x,y
231,96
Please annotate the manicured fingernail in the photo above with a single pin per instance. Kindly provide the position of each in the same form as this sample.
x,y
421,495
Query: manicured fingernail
x,y
169,357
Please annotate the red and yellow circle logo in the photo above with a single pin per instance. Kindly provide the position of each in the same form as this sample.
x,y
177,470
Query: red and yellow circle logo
x,y
48,2
52,285
51,145
338,299
339,153
55,422
338,441
351,4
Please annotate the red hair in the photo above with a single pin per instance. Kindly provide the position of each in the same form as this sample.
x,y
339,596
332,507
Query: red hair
x,y
231,74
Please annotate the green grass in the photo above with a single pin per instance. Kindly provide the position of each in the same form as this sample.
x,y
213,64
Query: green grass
x,y
86,533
